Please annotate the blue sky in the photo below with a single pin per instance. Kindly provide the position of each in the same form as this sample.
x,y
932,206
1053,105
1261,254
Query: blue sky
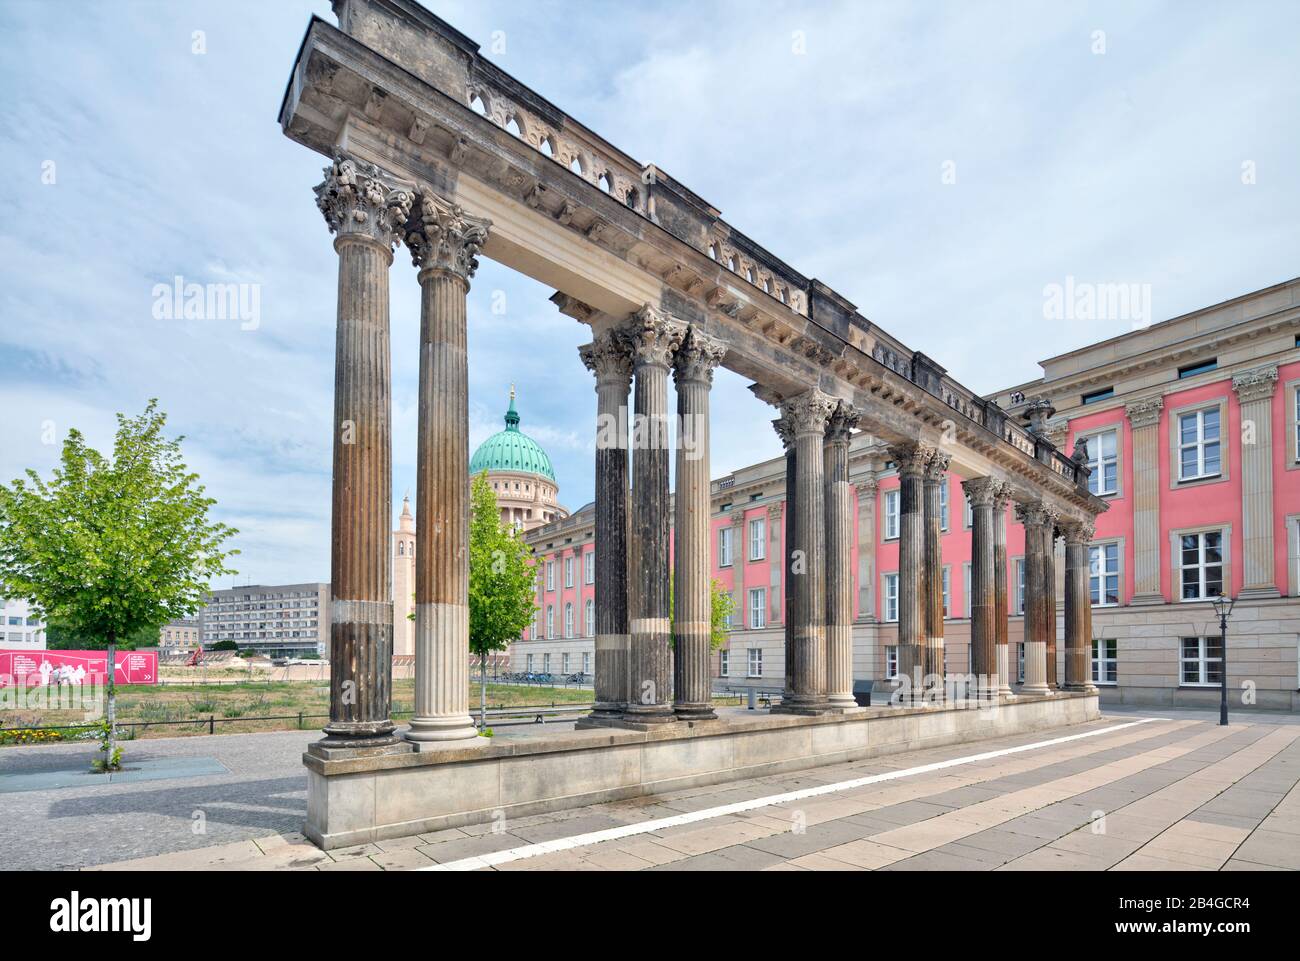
x,y
1122,166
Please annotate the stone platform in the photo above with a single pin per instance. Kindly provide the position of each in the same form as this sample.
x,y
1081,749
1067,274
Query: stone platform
x,y
357,800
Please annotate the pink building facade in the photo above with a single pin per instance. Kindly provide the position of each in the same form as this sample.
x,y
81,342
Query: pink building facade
x,y
1192,428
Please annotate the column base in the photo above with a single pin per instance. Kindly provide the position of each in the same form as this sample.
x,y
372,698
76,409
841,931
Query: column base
x,y
1258,592
695,712
435,730
841,701
1004,671
1086,688
805,706
1147,599
342,749
649,716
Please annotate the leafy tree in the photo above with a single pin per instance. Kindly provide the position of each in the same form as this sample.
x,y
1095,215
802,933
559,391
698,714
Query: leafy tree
x,y
501,582
721,607
60,637
112,547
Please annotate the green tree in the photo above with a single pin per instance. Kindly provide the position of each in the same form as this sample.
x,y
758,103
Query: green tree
x,y
109,548
501,582
721,607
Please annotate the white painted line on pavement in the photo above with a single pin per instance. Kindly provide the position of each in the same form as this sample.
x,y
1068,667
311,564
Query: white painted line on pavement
x,y
645,827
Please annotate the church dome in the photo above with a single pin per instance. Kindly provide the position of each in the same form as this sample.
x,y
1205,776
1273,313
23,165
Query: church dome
x,y
512,450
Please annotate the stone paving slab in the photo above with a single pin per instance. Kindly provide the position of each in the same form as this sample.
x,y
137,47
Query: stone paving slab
x,y
149,769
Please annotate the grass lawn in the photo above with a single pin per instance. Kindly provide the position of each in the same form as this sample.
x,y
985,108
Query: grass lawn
x,y
230,704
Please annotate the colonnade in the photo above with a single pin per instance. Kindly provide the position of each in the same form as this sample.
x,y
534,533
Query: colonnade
x,y
652,663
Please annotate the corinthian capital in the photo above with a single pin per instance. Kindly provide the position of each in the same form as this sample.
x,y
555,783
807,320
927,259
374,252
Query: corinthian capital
x,y
442,236
981,491
697,357
608,357
912,458
937,466
843,419
356,200
1037,514
1255,384
1077,530
808,412
785,430
654,336
1145,412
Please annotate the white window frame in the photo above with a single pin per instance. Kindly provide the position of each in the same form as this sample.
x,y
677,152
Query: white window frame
x,y
723,665
1201,565
568,619
1105,665
947,589
754,662
1202,660
586,662
724,546
550,621
1099,574
966,574
1099,462
568,571
550,575
528,663
546,663
890,505
1020,662
589,617
564,663
891,662
1018,588
889,597
943,503
757,527
1200,443
589,567
757,608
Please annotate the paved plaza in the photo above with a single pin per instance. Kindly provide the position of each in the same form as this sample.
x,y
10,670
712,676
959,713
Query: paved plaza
x,y
1133,791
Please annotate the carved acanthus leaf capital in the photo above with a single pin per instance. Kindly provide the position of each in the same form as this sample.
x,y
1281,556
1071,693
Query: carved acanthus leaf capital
x,y
1077,530
937,466
808,412
1037,514
696,358
912,458
609,357
1256,384
839,429
867,487
442,236
784,428
1003,496
1145,412
982,491
357,200
654,336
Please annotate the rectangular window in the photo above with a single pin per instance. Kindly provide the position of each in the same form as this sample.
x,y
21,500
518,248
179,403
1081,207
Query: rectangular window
x,y
754,665
564,663
891,597
589,567
1202,661
1103,459
586,663
1201,367
1198,444
1104,661
1020,662
1297,422
891,662
947,580
1103,574
590,618
758,539
724,547
546,664
568,620
1096,395
529,663
568,571
891,514
965,590
758,608
1020,586
723,670
550,622
969,519
550,575
1201,565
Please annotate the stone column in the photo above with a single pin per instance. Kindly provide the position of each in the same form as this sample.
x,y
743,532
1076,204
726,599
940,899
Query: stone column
x,y
981,494
935,477
775,599
1255,392
839,558
867,489
785,430
655,338
444,242
610,359
692,593
1050,565
912,460
1001,605
1040,594
1078,606
738,563
368,214
1144,422
808,413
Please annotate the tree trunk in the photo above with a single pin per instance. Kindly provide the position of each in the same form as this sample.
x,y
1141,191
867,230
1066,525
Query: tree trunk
x,y
112,703
482,692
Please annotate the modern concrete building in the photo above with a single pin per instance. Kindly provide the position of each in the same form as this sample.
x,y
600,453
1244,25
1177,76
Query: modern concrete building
x,y
1192,430
275,620
20,629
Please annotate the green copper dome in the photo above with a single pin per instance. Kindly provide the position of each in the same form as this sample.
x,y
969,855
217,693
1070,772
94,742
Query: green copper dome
x,y
511,449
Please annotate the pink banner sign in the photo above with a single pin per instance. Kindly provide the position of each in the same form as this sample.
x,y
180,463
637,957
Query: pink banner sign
x,y
38,668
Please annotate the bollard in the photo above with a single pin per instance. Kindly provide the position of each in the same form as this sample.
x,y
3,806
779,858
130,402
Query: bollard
x,y
753,698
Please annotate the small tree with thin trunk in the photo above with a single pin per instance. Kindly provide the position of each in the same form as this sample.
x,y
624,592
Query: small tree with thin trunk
x,y
501,582
108,548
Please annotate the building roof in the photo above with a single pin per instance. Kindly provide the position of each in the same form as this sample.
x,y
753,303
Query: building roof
x,y
512,449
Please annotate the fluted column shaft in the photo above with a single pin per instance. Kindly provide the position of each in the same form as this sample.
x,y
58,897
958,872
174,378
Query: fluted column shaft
x,y
366,212
1144,420
655,339
443,244
935,478
912,460
1078,608
839,559
609,358
1001,605
981,494
1040,592
785,430
808,414
1255,389
692,586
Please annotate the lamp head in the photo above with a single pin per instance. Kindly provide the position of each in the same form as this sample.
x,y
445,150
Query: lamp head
x,y
1223,606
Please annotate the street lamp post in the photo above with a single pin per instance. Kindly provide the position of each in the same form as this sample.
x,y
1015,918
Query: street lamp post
x,y
1223,607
